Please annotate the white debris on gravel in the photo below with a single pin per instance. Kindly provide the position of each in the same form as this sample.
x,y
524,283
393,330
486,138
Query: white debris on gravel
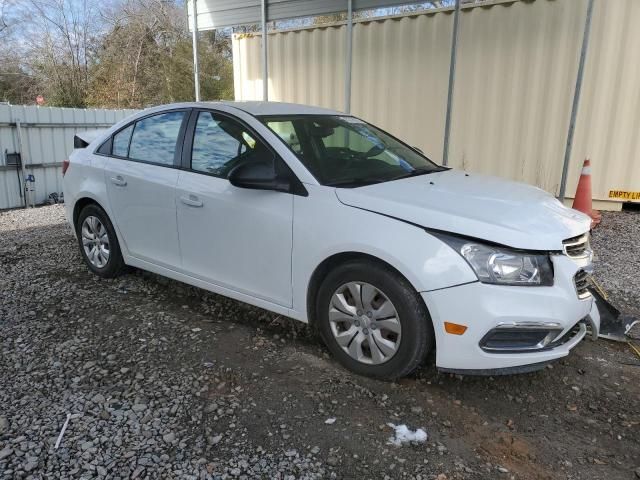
x,y
404,434
330,421
64,428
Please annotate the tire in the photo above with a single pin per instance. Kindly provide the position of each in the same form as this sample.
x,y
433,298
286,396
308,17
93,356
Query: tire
x,y
103,265
413,341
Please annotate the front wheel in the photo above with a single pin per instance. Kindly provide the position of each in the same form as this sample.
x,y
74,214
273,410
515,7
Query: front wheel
x,y
373,321
98,242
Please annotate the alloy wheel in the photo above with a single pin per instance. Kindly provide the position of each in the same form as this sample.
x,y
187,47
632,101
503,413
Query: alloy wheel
x,y
95,241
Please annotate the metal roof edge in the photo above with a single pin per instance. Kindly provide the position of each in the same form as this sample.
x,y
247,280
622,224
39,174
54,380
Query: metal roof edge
x,y
398,16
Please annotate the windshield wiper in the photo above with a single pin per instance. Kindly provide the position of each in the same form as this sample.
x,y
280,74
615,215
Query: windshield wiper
x,y
361,182
419,171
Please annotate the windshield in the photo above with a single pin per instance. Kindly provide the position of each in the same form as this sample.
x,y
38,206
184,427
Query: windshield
x,y
344,151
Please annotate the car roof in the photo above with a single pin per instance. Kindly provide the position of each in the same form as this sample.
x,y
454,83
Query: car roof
x,y
280,108
258,108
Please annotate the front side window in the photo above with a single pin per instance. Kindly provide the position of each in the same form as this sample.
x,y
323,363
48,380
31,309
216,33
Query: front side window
x,y
287,133
155,138
220,144
346,151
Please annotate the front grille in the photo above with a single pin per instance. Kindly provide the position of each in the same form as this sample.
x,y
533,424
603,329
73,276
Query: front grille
x,y
577,247
581,281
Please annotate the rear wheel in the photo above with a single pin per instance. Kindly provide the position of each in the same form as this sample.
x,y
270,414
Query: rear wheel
x,y
373,321
98,242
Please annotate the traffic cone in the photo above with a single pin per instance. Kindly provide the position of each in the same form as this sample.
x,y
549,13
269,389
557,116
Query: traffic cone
x,y
582,199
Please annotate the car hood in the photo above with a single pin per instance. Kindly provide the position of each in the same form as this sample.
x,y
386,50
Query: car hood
x,y
479,206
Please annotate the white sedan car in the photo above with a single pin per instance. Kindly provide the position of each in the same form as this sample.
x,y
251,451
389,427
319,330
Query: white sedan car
x,y
322,217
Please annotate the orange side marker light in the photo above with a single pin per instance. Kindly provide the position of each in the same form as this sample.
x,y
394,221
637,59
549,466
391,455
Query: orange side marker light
x,y
454,328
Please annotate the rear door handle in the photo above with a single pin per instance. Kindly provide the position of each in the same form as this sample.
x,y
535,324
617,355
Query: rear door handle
x,y
191,200
119,181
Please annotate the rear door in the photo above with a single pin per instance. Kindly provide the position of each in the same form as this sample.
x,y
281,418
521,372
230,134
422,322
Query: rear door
x,y
234,237
141,175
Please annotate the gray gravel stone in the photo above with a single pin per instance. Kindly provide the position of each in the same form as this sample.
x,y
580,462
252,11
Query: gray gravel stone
x,y
151,398
4,424
5,452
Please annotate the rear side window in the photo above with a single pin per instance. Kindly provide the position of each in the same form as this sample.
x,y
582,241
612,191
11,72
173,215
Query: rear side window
x,y
105,148
121,142
155,138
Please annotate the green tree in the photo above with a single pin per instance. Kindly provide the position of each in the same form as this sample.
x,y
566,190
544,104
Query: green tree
x,y
146,58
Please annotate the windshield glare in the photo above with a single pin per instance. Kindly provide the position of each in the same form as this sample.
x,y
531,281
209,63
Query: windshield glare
x,y
347,152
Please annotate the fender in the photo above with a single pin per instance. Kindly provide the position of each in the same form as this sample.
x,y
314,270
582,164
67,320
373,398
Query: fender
x,y
425,261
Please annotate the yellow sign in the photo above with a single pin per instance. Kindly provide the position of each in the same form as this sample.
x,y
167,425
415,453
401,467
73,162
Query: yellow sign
x,y
622,195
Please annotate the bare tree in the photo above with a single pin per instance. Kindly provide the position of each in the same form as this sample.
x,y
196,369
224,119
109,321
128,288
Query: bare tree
x,y
3,23
115,53
58,37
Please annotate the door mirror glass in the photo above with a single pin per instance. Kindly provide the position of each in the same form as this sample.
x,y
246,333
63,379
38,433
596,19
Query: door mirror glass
x,y
259,175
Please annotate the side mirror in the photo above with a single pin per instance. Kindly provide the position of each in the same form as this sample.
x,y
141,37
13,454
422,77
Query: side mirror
x,y
258,176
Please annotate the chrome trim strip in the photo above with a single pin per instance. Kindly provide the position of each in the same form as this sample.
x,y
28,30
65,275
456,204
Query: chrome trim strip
x,y
577,337
585,295
581,240
530,325
584,281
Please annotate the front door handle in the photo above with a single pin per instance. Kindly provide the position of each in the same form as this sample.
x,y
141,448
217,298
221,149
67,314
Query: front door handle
x,y
191,200
119,181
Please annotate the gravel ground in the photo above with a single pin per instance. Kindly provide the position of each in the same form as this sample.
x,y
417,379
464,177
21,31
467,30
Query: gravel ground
x,y
617,261
162,380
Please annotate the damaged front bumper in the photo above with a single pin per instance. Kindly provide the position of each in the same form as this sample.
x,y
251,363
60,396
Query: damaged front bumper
x,y
511,329
613,324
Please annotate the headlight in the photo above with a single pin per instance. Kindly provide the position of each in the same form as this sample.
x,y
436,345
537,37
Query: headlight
x,y
501,265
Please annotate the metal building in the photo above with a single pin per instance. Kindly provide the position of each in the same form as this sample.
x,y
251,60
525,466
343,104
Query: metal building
x,y
530,88
43,137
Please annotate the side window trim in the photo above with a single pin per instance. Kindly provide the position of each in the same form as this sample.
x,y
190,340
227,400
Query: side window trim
x,y
133,130
187,146
113,138
178,154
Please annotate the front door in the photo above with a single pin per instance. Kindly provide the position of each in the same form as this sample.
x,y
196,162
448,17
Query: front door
x,y
233,237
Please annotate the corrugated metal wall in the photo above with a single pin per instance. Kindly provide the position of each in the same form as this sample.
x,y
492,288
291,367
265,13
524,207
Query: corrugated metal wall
x,y
306,66
47,135
516,71
400,77
514,87
608,124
